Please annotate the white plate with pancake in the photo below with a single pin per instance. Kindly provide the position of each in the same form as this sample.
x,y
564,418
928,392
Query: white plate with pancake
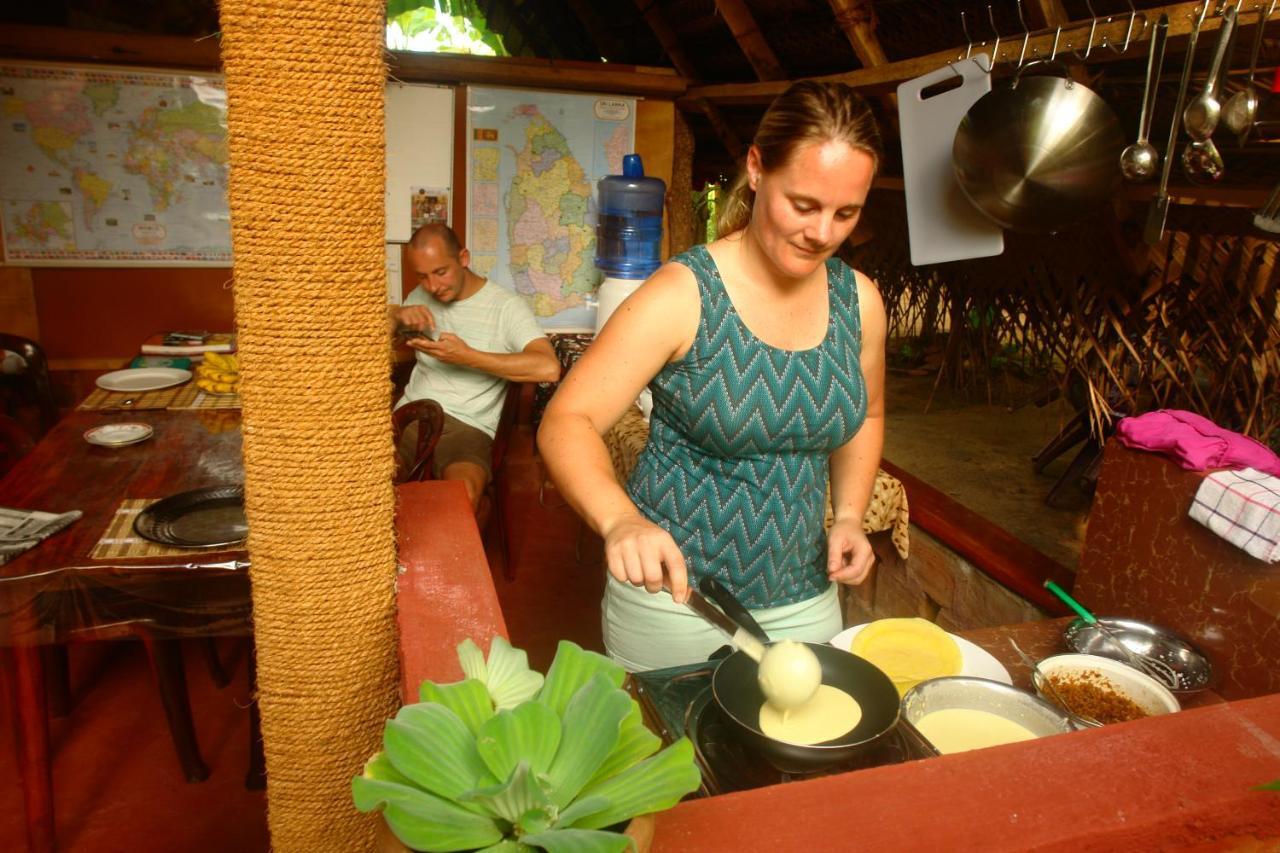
x,y
976,661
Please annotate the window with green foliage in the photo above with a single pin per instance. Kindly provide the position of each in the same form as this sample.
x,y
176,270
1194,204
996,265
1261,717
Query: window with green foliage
x,y
441,26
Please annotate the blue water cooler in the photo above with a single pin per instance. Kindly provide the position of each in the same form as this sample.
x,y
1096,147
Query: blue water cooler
x,y
628,233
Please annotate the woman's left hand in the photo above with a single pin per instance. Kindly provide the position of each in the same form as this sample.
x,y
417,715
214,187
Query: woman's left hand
x,y
849,554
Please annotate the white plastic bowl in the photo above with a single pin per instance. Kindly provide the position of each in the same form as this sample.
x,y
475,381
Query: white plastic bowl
x,y
1149,694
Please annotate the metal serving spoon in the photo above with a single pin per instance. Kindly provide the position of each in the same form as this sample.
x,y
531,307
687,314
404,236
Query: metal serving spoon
x,y
1240,109
1042,679
1201,115
1138,161
1201,160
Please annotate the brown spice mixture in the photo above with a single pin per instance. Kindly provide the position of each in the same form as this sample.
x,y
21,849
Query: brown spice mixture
x,y
1089,693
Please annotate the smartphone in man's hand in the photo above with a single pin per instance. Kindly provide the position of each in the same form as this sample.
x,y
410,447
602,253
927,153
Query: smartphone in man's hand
x,y
406,333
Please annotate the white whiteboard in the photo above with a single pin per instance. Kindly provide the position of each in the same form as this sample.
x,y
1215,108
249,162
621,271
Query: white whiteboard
x,y
419,127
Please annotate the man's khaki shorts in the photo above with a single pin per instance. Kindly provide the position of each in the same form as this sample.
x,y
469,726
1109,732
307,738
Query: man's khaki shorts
x,y
461,442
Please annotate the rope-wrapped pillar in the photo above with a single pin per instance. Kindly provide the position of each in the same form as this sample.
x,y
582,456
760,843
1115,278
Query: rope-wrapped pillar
x,y
305,126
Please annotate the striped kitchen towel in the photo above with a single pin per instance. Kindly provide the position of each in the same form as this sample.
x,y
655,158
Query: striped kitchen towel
x,y
1242,507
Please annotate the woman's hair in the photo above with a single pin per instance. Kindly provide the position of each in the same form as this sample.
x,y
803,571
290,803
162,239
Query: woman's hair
x,y
809,111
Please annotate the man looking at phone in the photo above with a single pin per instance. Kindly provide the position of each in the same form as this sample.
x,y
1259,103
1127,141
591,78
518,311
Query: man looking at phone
x,y
476,337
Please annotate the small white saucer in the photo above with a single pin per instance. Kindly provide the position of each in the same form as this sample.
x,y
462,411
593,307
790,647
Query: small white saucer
x,y
118,435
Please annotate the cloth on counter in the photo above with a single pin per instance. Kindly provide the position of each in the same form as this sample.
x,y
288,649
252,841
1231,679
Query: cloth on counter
x,y
23,529
1195,442
888,509
1242,507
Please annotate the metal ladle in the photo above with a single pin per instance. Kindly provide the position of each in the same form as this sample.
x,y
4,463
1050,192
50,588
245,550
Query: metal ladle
x,y
1201,160
1240,109
1138,161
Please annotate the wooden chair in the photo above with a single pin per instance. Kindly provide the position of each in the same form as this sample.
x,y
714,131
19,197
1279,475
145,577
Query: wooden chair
x,y
427,419
29,374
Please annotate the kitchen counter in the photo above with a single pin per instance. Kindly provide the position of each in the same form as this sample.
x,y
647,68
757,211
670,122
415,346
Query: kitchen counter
x,y
1158,783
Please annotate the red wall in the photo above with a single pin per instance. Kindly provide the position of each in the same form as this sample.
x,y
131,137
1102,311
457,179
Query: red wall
x,y
98,313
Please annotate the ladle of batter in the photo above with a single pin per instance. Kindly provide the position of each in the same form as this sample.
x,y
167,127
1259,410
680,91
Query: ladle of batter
x,y
798,707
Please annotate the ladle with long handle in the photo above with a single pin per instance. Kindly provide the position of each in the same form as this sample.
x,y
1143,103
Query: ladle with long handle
x,y
1200,118
1139,160
1159,209
1242,107
789,672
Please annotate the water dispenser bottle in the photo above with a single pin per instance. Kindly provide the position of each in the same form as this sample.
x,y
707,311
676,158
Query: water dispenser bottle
x,y
629,227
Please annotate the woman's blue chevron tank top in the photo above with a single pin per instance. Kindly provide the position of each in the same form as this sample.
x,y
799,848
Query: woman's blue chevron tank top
x,y
736,465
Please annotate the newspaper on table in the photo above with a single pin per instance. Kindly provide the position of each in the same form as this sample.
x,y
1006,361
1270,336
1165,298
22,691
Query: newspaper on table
x,y
22,529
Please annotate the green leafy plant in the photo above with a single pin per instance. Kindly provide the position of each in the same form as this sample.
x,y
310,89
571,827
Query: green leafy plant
x,y
506,761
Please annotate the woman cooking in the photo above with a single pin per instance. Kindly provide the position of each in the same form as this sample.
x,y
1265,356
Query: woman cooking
x,y
765,357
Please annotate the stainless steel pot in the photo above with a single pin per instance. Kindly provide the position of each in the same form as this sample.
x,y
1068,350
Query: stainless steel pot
x,y
1039,154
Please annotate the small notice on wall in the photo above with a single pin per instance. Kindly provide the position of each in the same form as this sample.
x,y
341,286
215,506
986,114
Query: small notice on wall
x,y
428,205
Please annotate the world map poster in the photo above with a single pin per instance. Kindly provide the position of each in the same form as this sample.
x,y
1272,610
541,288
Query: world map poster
x,y
533,160
112,167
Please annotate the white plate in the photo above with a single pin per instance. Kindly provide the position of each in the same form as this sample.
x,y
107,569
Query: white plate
x,y
975,660
118,435
143,378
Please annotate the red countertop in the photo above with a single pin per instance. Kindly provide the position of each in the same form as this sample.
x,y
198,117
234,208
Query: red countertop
x,y
1174,782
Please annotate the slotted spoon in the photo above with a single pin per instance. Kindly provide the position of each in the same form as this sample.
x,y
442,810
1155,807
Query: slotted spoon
x,y
1154,667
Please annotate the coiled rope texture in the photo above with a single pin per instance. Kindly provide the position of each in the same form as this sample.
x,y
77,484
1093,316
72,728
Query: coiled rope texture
x,y
305,128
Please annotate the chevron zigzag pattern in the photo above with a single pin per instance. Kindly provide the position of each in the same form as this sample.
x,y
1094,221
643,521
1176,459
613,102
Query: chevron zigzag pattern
x,y
736,463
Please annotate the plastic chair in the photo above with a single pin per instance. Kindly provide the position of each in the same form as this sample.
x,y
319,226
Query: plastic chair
x,y
427,418
30,373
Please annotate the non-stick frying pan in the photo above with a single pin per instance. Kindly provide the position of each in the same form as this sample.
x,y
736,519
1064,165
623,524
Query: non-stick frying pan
x,y
737,693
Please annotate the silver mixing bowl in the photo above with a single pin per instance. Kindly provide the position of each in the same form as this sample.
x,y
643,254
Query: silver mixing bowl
x,y
1192,667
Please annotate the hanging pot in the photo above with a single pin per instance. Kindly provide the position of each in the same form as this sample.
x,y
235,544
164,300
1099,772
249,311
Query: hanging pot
x,y
1039,154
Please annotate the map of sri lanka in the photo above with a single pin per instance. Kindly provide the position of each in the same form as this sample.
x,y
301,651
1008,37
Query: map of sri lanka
x,y
550,243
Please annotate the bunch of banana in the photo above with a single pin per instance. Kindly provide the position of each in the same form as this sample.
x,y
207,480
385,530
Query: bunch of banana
x,y
219,373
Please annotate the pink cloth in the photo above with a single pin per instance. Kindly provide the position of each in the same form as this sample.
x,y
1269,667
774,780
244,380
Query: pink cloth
x,y
1194,442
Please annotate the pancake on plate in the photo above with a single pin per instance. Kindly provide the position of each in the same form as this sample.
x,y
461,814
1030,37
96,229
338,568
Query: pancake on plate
x,y
908,650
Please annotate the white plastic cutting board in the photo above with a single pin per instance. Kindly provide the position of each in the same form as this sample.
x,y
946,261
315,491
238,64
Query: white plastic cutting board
x,y
942,224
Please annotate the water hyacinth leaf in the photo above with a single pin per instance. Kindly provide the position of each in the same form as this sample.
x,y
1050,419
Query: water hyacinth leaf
x,y
529,732
508,845
432,746
469,699
512,799
472,660
572,668
421,820
580,808
380,767
535,820
510,681
591,724
653,785
579,841
635,743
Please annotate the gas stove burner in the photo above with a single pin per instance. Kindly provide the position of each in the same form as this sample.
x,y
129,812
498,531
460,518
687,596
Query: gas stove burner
x,y
728,764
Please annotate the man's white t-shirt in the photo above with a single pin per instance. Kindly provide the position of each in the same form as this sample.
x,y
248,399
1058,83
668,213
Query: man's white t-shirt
x,y
493,319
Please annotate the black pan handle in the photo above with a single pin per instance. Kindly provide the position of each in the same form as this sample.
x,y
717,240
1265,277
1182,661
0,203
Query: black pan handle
x,y
716,591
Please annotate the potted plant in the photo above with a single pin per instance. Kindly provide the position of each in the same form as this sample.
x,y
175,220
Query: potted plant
x,y
507,761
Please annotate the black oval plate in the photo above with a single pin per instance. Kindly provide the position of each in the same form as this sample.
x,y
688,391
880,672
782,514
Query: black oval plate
x,y
201,518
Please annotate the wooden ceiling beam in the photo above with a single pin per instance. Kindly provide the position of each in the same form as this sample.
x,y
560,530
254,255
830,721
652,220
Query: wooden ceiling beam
x,y
748,36
671,44
54,44
857,18
885,78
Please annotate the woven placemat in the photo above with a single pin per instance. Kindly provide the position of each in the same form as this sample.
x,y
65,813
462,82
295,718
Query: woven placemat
x,y
104,400
192,396
120,541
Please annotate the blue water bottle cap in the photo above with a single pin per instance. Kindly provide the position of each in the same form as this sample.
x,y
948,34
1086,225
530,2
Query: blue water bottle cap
x,y
631,166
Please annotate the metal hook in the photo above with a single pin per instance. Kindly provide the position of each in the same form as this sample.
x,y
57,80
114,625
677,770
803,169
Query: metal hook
x,y
1093,28
1026,35
964,25
995,50
1053,54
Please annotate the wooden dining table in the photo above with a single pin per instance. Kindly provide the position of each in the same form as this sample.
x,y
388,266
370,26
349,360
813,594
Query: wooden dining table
x,y
63,590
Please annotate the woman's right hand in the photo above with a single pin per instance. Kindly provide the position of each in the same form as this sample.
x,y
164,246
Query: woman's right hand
x,y
640,552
